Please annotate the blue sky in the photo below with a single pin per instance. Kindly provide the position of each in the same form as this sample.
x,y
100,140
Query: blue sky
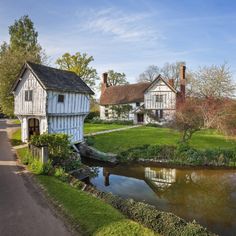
x,y
129,35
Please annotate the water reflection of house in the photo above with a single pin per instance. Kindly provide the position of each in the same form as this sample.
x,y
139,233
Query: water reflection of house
x,y
158,179
161,178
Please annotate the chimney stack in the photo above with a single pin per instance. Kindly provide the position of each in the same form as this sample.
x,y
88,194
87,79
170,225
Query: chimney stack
x,y
182,81
104,82
171,82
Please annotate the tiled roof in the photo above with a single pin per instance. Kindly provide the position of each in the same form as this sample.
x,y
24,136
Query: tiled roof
x,y
123,94
55,79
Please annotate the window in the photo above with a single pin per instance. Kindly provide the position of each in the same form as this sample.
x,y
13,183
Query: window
x,y
28,95
106,113
159,114
159,98
60,98
137,104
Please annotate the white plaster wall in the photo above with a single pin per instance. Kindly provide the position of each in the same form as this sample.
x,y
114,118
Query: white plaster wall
x,y
74,103
38,104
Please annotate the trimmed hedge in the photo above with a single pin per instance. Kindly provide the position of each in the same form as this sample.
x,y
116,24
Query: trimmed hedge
x,y
118,122
160,222
182,154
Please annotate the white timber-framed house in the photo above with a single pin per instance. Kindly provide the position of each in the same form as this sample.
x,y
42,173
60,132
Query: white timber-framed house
x,y
49,100
149,102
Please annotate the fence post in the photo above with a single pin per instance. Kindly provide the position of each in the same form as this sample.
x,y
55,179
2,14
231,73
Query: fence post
x,y
44,156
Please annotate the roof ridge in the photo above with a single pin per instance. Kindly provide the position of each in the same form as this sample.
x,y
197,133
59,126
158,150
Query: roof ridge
x,y
121,85
49,67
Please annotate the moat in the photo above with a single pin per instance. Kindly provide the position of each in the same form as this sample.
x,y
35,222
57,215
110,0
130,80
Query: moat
x,y
206,195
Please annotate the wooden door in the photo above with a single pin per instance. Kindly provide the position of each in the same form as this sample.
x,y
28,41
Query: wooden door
x,y
140,117
33,127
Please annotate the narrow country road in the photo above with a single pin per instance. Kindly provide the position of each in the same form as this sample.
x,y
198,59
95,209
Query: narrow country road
x,y
23,209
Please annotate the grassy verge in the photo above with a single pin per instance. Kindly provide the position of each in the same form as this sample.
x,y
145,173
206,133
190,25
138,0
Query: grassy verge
x,y
16,138
123,140
92,128
92,215
15,122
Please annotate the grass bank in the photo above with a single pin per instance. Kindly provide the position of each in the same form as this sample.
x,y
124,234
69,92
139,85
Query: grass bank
x,y
117,142
93,216
90,215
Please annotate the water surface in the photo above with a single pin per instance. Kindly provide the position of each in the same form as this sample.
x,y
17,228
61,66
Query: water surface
x,y
206,195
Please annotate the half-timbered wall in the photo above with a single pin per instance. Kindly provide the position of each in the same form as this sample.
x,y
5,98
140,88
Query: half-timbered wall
x,y
160,89
74,103
38,104
71,125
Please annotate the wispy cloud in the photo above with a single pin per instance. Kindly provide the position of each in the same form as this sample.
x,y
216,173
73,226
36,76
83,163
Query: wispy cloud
x,y
127,27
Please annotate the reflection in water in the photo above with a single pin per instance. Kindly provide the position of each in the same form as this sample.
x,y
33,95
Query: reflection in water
x,y
208,196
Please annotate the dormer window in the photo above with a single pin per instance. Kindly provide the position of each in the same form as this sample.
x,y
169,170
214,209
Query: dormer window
x,y
60,98
28,95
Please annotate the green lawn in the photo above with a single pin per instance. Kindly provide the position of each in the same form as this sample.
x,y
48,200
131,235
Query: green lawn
x,y
93,216
16,122
92,128
16,138
123,140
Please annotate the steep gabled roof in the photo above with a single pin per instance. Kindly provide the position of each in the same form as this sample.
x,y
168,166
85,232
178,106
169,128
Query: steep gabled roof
x,y
123,94
156,80
55,79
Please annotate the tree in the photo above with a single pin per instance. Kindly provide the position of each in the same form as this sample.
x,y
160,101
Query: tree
x,y
172,71
226,122
211,110
79,63
122,110
23,37
168,71
213,81
23,46
149,74
116,78
188,119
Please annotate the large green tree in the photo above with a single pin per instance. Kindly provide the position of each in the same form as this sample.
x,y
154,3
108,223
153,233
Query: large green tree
x,y
80,64
23,46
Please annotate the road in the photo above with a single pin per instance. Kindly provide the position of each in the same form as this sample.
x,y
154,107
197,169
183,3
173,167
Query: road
x,y
23,209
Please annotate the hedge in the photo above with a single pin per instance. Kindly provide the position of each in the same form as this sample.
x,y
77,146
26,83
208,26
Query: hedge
x,y
160,222
182,154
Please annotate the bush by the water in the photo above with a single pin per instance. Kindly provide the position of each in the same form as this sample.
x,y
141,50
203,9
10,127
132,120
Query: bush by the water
x,y
164,223
58,145
181,154
35,165
118,122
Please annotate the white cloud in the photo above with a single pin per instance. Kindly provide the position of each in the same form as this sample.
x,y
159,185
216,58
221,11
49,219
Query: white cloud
x,y
127,27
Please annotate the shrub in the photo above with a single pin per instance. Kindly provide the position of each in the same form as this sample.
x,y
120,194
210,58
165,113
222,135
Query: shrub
x,y
157,152
92,115
58,145
160,222
182,154
36,166
118,122
60,173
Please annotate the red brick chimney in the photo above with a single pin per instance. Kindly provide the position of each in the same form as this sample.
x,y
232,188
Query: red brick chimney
x,y
182,81
171,82
104,82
